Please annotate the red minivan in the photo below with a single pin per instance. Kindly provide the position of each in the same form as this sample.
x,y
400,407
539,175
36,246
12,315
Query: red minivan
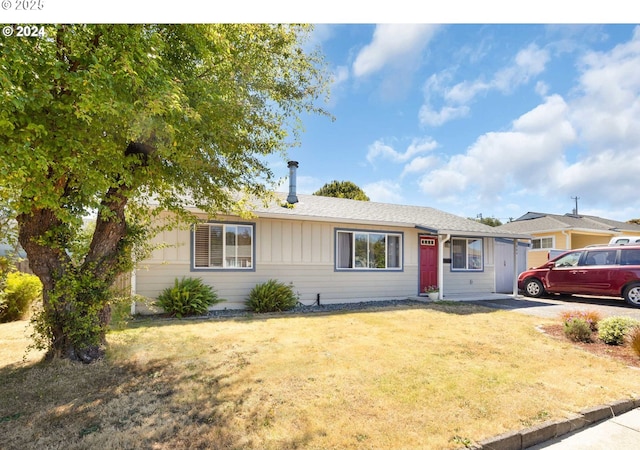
x,y
602,270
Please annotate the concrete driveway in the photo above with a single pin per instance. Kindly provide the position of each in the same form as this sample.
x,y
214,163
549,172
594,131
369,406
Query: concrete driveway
x,y
552,306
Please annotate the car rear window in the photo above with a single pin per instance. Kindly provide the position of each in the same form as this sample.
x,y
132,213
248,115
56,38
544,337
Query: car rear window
x,y
630,257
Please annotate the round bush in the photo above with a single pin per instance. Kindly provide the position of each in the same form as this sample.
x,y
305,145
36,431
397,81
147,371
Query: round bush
x,y
188,297
272,296
591,317
613,330
578,329
20,291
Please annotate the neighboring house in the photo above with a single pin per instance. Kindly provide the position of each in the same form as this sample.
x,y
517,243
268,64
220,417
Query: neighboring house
x,y
565,232
332,250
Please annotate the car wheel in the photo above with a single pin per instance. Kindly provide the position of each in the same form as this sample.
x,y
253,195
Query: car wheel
x,y
533,288
632,295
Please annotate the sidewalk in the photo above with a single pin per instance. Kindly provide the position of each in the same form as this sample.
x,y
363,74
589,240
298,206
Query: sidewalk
x,y
620,433
606,427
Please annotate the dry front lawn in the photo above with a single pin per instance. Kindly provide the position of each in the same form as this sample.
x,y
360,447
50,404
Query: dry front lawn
x,y
420,377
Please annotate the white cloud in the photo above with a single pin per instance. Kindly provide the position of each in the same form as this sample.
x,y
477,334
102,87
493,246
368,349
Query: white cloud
x,y
530,153
338,84
465,92
542,89
381,150
606,113
608,108
603,175
340,75
444,183
420,164
384,191
585,145
428,116
434,85
392,44
527,63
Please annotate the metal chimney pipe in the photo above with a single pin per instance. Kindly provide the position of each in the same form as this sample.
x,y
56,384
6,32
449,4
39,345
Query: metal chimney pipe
x,y
292,197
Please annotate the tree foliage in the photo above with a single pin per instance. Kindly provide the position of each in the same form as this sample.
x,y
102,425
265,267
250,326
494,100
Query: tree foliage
x,y
491,221
342,189
106,119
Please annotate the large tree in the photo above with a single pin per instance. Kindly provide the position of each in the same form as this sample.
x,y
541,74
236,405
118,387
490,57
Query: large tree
x,y
106,119
342,189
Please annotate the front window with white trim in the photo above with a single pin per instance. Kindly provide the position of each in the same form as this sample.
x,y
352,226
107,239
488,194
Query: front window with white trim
x,y
466,254
223,246
368,250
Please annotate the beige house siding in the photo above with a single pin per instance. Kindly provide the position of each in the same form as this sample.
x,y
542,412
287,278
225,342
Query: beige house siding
x,y
458,282
291,251
309,280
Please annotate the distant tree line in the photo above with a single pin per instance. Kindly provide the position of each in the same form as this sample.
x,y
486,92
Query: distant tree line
x,y
342,189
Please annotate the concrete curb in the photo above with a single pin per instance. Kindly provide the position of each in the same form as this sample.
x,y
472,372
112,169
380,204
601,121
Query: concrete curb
x,y
520,440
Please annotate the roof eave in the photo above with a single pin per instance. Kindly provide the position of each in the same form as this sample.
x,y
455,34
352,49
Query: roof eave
x,y
486,234
271,215
579,230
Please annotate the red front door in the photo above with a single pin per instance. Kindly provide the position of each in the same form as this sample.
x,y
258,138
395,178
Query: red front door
x,y
428,261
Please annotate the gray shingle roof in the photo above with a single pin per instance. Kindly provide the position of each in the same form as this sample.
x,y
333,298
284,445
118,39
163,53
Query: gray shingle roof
x,y
313,207
539,222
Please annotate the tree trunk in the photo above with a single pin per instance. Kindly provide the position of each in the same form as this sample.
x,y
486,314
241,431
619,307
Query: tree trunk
x,y
50,264
75,299
76,296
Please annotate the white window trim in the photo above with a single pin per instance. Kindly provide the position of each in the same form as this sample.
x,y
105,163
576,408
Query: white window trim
x,y
466,259
540,238
353,233
224,266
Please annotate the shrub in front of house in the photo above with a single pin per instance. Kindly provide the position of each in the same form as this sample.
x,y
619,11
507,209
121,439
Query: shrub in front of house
x,y
591,317
20,291
188,297
613,330
272,296
578,329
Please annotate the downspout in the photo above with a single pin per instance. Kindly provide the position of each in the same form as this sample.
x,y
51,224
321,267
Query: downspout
x,y
441,243
133,292
515,268
567,240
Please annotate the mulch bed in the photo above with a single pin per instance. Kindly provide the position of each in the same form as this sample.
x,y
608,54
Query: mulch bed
x,y
622,353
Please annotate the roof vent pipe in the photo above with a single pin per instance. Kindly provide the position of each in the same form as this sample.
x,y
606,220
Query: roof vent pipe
x,y
292,197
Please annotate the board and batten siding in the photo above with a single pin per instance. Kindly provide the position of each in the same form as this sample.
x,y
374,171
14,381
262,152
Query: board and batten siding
x,y
290,251
461,282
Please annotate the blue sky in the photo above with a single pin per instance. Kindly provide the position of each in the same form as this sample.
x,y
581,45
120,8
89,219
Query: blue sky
x,y
466,117
495,120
